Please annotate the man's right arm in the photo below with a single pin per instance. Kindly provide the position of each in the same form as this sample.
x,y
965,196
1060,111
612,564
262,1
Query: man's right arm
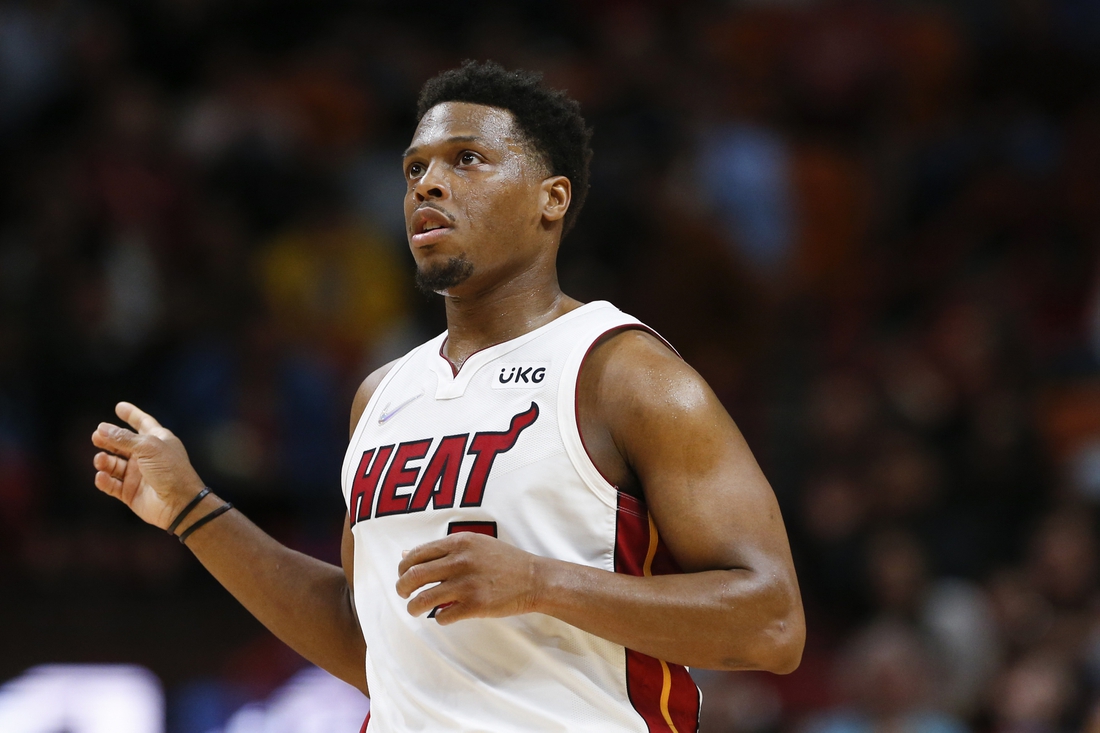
x,y
305,602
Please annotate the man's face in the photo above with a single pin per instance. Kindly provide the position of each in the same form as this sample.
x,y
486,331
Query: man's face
x,y
472,208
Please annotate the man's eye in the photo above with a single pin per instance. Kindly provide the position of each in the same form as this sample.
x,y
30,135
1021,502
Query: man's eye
x,y
467,158
415,170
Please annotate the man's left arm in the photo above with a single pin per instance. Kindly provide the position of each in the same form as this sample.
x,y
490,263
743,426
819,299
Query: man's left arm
x,y
736,606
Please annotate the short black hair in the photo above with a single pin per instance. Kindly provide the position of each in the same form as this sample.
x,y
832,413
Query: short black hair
x,y
548,119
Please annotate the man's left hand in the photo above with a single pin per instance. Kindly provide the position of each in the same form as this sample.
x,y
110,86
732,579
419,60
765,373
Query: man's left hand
x,y
479,577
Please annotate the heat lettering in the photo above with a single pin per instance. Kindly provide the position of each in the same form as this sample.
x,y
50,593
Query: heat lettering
x,y
438,480
400,476
366,481
487,446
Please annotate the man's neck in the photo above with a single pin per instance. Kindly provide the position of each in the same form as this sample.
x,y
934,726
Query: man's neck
x,y
479,321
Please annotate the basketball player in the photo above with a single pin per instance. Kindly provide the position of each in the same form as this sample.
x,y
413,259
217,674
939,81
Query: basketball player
x,y
550,514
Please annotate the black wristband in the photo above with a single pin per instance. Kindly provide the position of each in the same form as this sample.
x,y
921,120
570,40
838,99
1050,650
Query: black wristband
x,y
187,510
212,515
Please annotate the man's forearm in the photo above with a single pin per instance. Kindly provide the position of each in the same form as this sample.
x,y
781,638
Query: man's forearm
x,y
717,619
305,602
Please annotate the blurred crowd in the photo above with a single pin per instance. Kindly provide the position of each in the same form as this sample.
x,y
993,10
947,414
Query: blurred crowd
x,y
871,225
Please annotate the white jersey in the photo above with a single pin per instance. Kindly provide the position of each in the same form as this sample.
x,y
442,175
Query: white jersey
x,y
495,448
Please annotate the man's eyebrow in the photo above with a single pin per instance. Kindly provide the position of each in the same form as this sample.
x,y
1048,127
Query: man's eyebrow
x,y
449,141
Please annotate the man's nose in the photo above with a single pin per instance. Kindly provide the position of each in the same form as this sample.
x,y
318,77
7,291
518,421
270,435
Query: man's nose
x,y
432,185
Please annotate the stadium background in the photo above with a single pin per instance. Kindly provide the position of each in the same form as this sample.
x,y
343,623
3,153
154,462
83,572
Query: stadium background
x,y
872,226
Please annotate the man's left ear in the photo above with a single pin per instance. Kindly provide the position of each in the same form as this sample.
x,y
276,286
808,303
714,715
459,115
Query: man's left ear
x,y
557,192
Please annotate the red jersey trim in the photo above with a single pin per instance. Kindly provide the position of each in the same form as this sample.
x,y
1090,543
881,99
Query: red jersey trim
x,y
451,364
663,694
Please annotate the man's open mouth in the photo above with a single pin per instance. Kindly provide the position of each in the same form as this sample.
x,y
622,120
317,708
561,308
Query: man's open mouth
x,y
429,225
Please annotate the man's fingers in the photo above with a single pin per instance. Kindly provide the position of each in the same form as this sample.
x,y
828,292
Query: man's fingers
x,y
138,419
441,597
108,484
425,553
422,574
110,464
114,439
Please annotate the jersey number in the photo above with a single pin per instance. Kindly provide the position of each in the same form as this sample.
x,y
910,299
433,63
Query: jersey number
x,y
489,528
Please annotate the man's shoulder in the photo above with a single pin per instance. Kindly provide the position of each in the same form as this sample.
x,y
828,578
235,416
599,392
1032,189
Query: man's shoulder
x,y
634,371
601,326
633,351
635,396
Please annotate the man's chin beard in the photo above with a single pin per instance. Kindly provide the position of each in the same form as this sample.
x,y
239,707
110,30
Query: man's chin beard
x,y
443,277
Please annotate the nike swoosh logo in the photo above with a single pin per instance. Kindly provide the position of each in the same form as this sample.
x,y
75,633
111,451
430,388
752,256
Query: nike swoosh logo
x,y
387,413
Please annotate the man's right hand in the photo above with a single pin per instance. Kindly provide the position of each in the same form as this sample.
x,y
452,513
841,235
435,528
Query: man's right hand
x,y
148,470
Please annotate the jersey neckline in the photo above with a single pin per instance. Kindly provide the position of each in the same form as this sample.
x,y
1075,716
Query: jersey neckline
x,y
453,383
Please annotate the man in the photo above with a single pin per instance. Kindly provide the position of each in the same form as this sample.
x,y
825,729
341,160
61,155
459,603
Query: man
x,y
549,511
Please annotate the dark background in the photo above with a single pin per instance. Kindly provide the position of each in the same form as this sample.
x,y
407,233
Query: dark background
x,y
872,226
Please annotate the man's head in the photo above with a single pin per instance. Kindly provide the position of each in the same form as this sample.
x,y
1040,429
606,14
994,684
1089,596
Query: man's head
x,y
499,163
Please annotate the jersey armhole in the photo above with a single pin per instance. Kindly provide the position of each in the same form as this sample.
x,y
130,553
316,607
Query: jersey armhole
x,y
569,412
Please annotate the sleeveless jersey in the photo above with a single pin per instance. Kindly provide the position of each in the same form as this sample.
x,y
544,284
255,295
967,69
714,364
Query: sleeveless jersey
x,y
495,448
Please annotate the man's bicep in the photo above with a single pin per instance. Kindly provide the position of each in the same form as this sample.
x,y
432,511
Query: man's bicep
x,y
710,501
